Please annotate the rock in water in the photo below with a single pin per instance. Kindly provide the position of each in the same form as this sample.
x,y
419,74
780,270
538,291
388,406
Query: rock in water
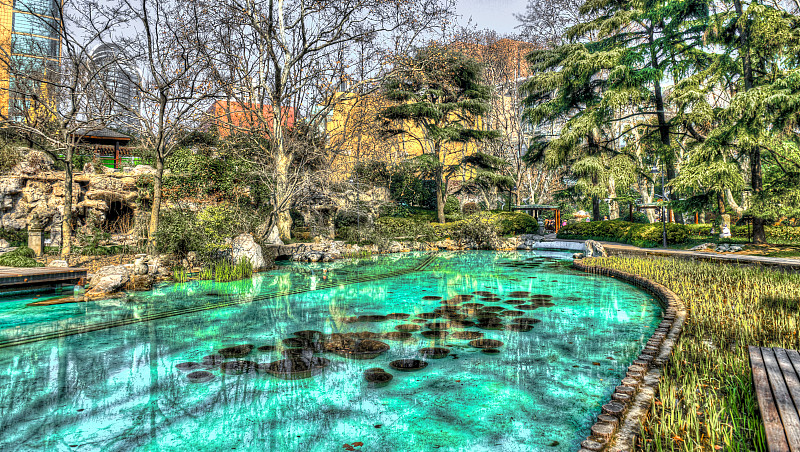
x,y
244,247
107,281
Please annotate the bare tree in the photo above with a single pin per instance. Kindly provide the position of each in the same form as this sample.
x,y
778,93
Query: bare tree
x,y
277,59
167,47
545,22
52,88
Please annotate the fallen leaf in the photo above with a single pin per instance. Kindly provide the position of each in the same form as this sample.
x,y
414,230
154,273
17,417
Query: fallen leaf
x,y
348,447
358,444
595,364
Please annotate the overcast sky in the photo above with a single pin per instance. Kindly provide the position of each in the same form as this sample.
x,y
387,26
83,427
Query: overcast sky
x,y
493,14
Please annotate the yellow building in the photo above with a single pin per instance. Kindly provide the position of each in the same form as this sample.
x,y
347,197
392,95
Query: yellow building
x,y
29,40
356,134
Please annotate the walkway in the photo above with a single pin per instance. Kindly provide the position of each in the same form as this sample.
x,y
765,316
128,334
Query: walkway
x,y
13,278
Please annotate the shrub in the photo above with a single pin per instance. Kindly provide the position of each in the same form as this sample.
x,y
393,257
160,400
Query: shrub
x,y
10,157
452,206
178,232
483,231
20,257
784,235
623,231
512,223
14,237
470,208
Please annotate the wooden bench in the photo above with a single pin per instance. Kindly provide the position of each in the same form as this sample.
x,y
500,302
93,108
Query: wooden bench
x,y
775,376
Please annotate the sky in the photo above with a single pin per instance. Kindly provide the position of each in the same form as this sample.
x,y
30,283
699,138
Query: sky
x,y
493,14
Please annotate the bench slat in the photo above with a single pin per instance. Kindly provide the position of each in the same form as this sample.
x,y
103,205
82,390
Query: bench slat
x,y
780,383
776,438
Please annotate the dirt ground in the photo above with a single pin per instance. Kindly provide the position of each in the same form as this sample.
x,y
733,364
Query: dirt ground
x,y
92,263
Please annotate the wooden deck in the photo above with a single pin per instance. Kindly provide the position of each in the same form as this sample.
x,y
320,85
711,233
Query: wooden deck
x,y
12,278
775,376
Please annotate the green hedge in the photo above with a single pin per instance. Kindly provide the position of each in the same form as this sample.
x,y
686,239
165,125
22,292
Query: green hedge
x,y
778,235
419,227
646,235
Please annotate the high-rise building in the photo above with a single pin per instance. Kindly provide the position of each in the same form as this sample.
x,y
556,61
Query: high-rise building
x,y
119,93
29,43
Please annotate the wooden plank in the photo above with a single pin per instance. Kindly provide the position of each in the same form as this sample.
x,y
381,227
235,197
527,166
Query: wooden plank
x,y
11,277
783,379
789,374
776,438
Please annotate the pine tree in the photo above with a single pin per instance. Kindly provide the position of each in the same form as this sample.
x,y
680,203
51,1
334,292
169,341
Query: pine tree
x,y
441,94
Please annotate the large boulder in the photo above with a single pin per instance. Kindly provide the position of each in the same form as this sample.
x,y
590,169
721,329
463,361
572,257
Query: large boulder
x,y
107,281
245,247
274,237
593,248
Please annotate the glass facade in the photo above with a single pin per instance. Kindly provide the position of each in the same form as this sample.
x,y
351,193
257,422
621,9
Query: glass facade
x,y
34,48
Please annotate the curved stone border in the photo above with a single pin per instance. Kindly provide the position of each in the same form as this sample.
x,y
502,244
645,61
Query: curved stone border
x,y
619,424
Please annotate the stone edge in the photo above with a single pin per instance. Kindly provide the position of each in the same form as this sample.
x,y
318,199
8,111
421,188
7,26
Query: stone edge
x,y
620,423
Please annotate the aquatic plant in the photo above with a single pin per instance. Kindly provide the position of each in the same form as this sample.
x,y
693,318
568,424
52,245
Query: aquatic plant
x,y
706,399
225,271
179,274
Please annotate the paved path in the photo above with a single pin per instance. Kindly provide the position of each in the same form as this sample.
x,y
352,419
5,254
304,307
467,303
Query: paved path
x,y
623,249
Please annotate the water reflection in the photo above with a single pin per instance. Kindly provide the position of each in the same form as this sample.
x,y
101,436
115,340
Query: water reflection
x,y
119,389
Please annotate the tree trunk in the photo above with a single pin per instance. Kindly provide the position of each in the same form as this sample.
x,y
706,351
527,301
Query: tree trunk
x,y
613,206
756,175
596,209
282,191
156,208
66,212
440,194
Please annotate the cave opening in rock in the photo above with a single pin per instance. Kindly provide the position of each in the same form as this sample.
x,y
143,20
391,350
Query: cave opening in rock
x,y
119,219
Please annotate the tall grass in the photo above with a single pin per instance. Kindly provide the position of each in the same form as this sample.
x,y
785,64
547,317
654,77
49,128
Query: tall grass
x,y
225,270
179,274
706,399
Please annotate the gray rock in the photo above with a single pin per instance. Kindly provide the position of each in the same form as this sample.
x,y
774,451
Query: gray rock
x,y
577,256
274,238
140,267
58,263
703,246
245,247
594,249
395,247
4,243
107,281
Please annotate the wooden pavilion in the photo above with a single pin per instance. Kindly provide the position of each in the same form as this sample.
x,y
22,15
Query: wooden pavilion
x,y
535,210
106,144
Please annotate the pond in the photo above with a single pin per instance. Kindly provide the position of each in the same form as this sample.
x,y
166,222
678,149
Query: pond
x,y
486,351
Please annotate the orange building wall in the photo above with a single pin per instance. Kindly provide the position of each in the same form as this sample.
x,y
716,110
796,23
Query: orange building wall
x,y
233,117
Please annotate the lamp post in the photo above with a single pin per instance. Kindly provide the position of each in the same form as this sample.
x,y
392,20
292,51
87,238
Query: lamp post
x,y
656,170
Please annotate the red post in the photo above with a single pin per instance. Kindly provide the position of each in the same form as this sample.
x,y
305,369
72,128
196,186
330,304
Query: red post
x,y
116,155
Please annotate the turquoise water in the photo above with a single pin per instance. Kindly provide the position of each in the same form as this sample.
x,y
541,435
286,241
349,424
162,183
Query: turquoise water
x,y
118,388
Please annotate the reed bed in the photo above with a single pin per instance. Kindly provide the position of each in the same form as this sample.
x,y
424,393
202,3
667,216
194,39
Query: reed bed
x,y
706,399
225,270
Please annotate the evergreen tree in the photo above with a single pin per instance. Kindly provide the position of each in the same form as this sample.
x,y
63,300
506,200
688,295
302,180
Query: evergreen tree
x,y
439,93
755,70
